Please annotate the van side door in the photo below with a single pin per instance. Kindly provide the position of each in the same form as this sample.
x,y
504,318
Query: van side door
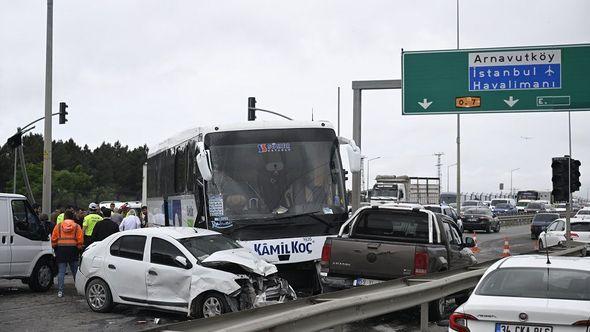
x,y
26,237
5,252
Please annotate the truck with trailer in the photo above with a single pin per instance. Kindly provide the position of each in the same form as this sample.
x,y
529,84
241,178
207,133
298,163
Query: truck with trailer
x,y
403,188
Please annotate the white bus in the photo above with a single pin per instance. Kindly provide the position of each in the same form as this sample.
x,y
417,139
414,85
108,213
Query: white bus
x,y
276,187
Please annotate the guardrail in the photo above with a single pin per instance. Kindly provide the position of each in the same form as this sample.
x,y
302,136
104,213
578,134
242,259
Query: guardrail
x,y
337,308
523,218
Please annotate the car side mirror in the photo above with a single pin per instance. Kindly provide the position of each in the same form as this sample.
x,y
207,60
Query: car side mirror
x,y
182,262
469,242
204,164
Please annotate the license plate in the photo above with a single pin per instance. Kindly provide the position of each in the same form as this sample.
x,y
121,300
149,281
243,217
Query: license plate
x,y
500,327
365,282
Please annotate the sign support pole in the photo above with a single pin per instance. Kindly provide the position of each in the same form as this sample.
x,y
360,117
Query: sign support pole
x,y
458,134
568,232
47,163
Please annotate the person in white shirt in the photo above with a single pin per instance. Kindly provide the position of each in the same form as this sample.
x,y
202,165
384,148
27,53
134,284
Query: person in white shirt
x,y
130,222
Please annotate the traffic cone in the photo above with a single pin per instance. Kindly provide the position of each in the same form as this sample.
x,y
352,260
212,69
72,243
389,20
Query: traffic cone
x,y
506,250
475,249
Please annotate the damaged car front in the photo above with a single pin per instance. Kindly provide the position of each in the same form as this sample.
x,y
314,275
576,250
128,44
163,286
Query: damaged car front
x,y
245,280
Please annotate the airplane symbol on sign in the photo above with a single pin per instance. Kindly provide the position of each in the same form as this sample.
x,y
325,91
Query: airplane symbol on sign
x,y
549,72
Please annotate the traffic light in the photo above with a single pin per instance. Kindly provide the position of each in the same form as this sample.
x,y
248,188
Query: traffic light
x,y
559,178
575,175
62,112
251,108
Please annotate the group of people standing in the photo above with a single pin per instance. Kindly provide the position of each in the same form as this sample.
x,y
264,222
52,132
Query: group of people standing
x,y
73,230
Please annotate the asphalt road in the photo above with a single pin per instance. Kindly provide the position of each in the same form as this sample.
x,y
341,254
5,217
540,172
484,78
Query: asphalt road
x,y
24,310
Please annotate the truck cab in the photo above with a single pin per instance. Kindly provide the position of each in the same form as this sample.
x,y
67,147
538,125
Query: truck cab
x,y
25,248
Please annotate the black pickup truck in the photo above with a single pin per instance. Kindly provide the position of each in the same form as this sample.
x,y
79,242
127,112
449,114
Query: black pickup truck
x,y
389,242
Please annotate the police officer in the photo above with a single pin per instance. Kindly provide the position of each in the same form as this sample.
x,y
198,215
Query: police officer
x,y
89,221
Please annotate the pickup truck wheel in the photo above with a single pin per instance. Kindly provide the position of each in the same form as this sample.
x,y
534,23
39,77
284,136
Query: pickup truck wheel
x,y
42,277
436,310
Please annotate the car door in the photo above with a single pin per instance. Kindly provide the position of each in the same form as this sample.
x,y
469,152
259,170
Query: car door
x,y
25,238
5,252
125,268
458,257
555,233
168,283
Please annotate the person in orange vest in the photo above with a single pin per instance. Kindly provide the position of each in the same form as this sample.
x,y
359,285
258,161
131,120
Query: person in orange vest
x,y
67,240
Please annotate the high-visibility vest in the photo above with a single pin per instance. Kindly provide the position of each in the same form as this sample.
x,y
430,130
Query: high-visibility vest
x,y
67,239
60,218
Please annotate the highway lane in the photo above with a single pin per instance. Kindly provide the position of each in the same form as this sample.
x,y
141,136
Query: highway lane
x,y
19,304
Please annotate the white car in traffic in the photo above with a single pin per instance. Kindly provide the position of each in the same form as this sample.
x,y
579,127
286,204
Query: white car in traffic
x,y
194,271
525,294
555,233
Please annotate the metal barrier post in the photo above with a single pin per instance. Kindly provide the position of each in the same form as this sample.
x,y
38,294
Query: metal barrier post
x,y
424,317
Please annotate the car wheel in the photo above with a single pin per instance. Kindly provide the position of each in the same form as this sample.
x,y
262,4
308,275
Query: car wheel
x,y
497,229
436,310
98,296
42,277
488,228
212,305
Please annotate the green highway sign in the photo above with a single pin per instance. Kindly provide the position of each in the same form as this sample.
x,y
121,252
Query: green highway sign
x,y
503,80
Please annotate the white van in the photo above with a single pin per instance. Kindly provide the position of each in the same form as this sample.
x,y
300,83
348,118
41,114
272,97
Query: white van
x,y
25,248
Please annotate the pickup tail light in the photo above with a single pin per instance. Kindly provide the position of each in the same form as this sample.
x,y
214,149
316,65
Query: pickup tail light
x,y
458,322
420,263
326,253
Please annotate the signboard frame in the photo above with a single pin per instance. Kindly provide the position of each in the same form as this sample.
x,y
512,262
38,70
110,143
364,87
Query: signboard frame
x,y
512,95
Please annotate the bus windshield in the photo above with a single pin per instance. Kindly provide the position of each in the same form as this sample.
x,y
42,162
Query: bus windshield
x,y
274,173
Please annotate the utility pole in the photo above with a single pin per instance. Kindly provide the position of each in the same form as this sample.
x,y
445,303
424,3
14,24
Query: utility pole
x,y
458,134
47,166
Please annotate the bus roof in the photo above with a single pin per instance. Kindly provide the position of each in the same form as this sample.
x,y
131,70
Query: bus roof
x,y
249,125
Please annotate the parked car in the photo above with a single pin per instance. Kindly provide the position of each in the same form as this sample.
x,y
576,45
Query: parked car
x,y
388,242
447,211
538,206
524,293
504,209
194,271
25,249
555,233
540,223
480,218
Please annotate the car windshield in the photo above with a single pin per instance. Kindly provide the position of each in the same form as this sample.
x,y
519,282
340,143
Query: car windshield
x,y
470,203
203,246
581,227
503,206
534,206
583,212
482,211
522,203
545,217
496,202
266,173
562,284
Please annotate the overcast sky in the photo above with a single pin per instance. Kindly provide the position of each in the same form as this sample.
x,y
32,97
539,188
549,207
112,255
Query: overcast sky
x,y
141,71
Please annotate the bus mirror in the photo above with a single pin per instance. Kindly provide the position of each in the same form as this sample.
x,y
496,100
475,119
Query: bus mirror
x,y
204,166
354,158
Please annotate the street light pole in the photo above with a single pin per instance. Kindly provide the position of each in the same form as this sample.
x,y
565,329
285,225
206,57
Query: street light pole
x,y
368,176
46,200
512,171
448,175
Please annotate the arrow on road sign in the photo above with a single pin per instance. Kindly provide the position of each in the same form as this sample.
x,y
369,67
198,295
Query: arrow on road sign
x,y
511,101
425,103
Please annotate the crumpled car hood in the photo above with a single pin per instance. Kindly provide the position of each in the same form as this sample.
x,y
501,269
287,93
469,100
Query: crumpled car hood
x,y
242,257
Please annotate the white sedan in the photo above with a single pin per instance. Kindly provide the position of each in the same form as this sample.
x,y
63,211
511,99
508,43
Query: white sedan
x,y
555,233
525,294
195,271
